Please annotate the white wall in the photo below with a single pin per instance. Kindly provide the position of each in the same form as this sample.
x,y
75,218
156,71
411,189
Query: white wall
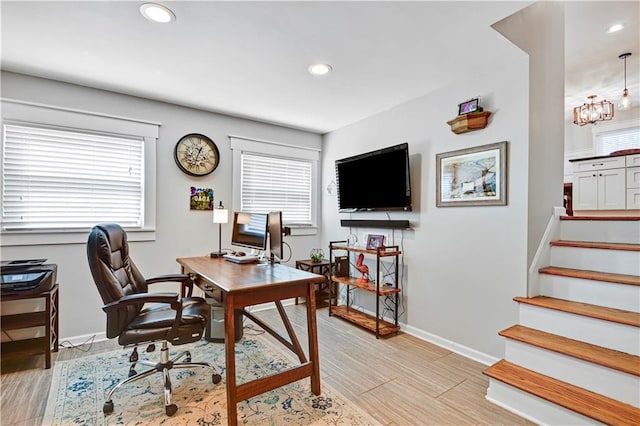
x,y
180,232
463,264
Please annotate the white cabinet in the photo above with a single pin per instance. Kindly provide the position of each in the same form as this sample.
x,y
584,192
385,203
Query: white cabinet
x,y
633,187
600,184
599,190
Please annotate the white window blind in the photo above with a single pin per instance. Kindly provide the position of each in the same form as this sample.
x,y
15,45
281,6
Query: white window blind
x,y
64,179
276,184
608,142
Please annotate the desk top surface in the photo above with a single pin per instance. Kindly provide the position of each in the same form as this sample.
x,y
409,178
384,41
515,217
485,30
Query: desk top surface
x,y
239,277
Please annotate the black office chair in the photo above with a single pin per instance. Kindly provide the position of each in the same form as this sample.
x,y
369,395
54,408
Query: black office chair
x,y
169,318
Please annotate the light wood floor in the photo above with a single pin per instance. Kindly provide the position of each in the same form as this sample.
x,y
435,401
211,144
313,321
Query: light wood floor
x,y
399,380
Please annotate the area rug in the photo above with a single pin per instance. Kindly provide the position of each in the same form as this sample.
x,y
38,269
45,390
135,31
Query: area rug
x,y
79,387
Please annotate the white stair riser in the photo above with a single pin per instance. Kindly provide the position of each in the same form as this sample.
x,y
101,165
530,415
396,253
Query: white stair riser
x,y
614,261
611,295
595,378
533,408
601,231
620,337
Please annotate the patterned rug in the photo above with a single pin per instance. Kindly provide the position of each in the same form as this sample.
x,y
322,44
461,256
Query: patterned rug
x,y
79,387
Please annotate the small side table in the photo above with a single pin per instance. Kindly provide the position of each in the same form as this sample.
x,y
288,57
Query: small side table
x,y
324,291
48,318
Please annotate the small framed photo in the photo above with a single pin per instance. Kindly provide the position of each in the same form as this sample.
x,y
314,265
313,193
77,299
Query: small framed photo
x,y
375,241
468,106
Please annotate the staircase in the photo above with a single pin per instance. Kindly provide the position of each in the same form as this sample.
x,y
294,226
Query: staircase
x,y
574,358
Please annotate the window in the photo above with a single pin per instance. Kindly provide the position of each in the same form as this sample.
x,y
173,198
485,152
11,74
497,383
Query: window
x,y
63,179
274,177
64,170
274,183
616,140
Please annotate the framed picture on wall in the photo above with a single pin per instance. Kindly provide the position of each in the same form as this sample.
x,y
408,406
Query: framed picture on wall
x,y
472,177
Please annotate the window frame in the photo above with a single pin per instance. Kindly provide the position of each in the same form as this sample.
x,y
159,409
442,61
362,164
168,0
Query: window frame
x,y
33,114
240,145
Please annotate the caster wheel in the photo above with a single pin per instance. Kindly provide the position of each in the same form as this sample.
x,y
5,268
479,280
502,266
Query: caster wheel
x,y
216,378
132,373
107,408
171,409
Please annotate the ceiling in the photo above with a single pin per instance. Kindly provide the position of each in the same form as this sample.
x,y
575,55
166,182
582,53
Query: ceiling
x,y
250,59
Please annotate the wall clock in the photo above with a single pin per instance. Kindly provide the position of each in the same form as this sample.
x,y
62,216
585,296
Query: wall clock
x,y
196,154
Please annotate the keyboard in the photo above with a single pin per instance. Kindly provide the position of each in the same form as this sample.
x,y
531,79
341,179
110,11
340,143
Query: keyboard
x,y
248,258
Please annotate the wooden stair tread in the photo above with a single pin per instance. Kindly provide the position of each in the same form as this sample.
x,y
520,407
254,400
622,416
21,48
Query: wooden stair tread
x,y
599,355
582,401
596,245
591,275
614,218
593,311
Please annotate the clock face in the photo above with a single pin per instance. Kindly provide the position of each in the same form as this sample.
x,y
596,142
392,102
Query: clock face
x,y
196,155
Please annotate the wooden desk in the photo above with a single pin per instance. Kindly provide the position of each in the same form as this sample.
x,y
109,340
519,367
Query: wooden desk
x,y
243,285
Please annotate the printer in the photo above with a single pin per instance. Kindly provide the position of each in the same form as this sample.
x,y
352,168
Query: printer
x,y
26,277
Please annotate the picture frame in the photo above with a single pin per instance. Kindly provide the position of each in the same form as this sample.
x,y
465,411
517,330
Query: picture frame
x,y
201,198
374,241
471,105
473,176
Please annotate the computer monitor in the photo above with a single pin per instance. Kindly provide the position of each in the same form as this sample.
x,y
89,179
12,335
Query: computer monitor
x,y
250,230
275,236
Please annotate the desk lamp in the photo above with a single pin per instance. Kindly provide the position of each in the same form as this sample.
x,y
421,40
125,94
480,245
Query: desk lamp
x,y
220,216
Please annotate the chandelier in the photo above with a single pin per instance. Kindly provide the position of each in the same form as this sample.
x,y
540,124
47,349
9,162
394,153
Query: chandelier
x,y
592,112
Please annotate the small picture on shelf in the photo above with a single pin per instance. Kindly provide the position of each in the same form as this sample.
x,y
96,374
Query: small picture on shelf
x,y
468,107
375,241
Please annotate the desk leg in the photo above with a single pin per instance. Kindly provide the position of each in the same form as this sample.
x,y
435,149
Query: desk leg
x,y
312,329
229,346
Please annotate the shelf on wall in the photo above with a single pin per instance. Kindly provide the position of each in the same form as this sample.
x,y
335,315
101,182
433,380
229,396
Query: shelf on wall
x,y
469,122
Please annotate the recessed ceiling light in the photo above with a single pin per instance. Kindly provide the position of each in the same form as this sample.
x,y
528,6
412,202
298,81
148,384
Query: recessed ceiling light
x,y
157,13
615,28
320,69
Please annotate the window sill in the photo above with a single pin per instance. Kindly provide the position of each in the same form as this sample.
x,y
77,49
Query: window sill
x,y
34,238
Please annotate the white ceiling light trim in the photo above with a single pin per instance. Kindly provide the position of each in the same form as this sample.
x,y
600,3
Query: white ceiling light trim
x,y
320,69
157,13
615,28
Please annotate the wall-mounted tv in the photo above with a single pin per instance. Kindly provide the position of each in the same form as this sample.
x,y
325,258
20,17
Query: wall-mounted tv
x,y
376,180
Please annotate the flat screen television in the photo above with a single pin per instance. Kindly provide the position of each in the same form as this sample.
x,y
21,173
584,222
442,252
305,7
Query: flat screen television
x,y
250,230
275,237
376,180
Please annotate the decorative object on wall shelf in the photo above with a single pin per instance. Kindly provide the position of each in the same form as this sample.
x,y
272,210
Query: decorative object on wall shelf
x,y
201,198
469,106
316,255
374,241
472,177
469,122
592,112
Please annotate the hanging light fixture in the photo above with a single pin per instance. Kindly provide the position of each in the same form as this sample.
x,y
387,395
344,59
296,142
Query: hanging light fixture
x,y
592,112
625,100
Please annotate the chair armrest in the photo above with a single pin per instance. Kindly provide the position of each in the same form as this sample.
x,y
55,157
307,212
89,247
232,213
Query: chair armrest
x,y
186,280
140,298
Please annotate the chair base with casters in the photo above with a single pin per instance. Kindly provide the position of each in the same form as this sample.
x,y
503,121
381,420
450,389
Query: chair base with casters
x,y
163,367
